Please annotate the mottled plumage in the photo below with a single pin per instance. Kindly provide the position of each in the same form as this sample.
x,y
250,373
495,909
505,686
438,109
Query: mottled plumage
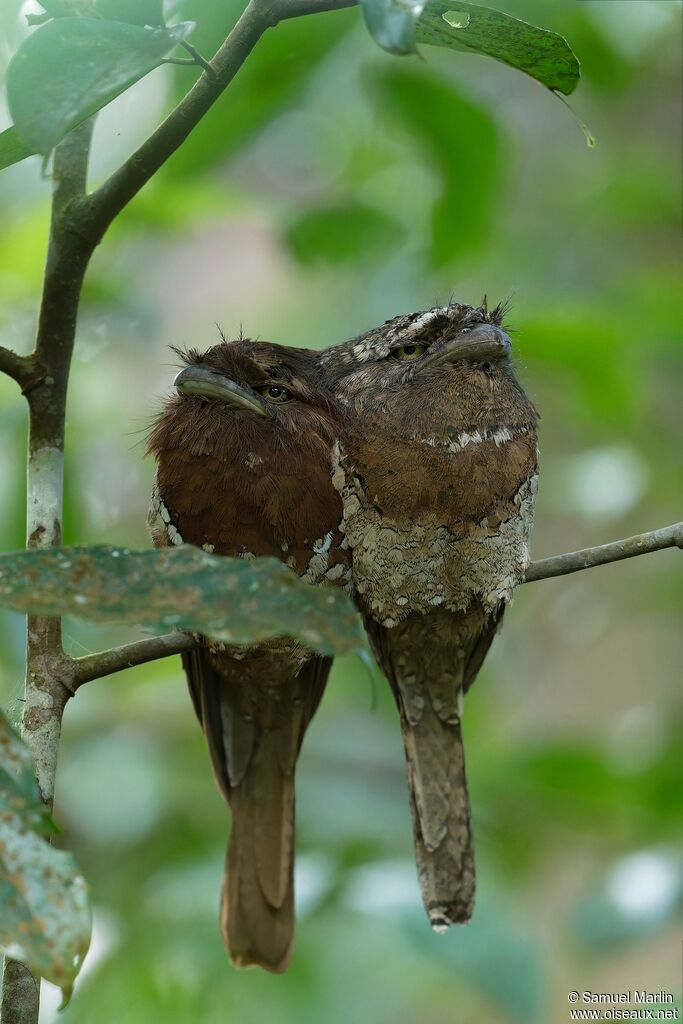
x,y
437,470
243,457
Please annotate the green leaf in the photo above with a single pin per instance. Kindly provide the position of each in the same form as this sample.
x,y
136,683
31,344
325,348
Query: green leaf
x,y
391,23
343,233
19,792
461,141
544,55
66,8
68,69
12,148
135,12
234,600
44,911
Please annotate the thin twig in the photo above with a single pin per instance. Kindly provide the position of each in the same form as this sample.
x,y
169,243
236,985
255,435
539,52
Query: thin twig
x,y
197,58
107,202
575,561
94,666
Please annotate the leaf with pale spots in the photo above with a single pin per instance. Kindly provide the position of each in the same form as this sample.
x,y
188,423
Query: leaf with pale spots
x,y
44,910
234,600
18,787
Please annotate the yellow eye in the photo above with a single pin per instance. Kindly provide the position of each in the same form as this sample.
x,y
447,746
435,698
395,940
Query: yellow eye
x,y
274,393
407,352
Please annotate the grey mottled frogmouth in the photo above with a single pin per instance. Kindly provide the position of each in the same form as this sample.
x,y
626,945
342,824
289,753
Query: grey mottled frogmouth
x,y
243,452
438,473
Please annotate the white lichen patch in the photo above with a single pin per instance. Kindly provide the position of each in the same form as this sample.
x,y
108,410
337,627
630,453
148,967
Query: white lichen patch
x,y
44,490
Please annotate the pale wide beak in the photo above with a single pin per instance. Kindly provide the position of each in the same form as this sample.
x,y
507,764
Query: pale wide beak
x,y
201,382
479,344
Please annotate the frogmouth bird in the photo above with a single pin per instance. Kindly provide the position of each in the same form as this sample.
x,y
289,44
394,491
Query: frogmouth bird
x,y
437,470
243,453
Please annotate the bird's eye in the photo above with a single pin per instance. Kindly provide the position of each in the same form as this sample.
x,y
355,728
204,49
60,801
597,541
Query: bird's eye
x,y
405,353
274,393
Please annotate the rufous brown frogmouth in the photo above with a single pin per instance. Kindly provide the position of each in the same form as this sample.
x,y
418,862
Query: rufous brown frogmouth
x,y
243,452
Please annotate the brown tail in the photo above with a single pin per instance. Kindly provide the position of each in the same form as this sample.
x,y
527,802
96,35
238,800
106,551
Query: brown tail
x,y
430,661
254,721
257,900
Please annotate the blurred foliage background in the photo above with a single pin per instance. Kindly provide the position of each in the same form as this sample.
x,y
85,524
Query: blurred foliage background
x,y
332,187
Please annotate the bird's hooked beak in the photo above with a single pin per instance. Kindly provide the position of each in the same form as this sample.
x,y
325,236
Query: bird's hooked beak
x,y
482,343
200,381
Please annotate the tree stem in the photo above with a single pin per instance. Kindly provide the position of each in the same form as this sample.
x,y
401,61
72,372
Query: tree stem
x,y
47,666
20,994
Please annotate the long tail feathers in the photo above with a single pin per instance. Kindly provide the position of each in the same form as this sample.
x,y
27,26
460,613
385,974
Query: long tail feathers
x,y
254,724
430,662
441,817
257,900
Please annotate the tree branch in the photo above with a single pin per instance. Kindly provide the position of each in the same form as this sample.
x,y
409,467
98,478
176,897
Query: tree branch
x,y
99,209
574,561
94,666
25,370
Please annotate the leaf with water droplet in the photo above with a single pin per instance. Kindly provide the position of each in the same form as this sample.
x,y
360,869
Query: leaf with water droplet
x,y
391,23
544,55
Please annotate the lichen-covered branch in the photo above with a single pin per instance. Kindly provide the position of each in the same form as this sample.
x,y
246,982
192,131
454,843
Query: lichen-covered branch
x,y
46,664
575,561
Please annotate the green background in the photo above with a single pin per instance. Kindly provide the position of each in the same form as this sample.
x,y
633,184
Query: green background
x,y
332,187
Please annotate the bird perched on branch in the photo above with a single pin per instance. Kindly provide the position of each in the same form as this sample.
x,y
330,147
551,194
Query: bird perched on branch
x,y
243,455
438,474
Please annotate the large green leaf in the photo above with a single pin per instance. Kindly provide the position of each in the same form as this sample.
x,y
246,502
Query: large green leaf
x,y
44,910
460,140
136,12
12,148
342,233
544,55
70,68
234,600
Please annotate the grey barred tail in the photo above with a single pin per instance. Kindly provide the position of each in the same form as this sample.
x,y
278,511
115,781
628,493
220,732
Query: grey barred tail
x,y
441,818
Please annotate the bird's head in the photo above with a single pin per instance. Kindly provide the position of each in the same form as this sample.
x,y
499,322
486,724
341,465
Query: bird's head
x,y
416,351
243,393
